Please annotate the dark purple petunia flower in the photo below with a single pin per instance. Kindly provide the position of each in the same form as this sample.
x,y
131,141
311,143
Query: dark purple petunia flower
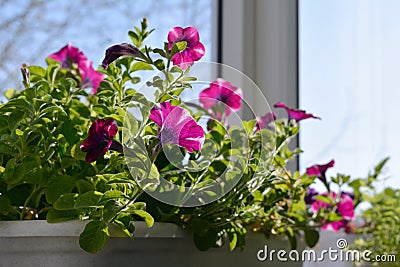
x,y
320,170
309,198
118,50
176,126
100,139
194,49
263,121
296,114
351,195
70,55
221,91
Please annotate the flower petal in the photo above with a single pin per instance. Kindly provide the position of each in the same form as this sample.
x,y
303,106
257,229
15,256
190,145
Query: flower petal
x,y
296,114
263,121
191,35
175,35
197,51
90,76
100,138
177,126
182,59
320,170
224,92
68,55
118,50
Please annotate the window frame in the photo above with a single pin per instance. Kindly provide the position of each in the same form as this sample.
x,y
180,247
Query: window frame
x,y
260,38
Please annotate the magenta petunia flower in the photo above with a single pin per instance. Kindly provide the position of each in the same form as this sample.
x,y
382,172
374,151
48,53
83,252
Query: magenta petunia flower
x,y
100,139
264,121
296,114
70,55
176,126
90,77
221,91
345,208
194,49
320,170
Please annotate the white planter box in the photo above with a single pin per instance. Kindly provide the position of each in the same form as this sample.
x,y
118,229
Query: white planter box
x,y
37,243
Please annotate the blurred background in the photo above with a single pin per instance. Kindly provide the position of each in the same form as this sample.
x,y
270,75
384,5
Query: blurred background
x,y
335,58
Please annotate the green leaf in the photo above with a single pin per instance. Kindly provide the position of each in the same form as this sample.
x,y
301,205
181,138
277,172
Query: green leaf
x,y
9,93
58,186
37,70
88,200
112,194
110,210
84,186
94,236
232,240
178,47
144,215
76,152
66,202
324,199
159,63
141,66
312,237
55,216
120,230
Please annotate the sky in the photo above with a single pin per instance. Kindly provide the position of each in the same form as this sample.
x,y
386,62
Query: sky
x,y
33,29
349,76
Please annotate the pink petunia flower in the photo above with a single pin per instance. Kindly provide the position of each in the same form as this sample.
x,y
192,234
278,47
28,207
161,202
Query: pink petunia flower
x,y
264,121
320,170
69,56
221,91
176,126
194,49
100,139
345,208
296,114
90,77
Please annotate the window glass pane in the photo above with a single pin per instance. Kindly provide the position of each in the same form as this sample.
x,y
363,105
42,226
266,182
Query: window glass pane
x,y
349,76
31,29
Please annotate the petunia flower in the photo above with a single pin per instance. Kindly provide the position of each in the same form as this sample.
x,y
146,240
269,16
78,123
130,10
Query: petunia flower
x,y
263,121
309,198
345,208
118,50
176,126
90,77
296,114
320,170
71,57
68,55
194,49
100,139
221,92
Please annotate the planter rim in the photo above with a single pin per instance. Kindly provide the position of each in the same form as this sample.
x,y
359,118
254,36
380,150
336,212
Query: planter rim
x,y
41,228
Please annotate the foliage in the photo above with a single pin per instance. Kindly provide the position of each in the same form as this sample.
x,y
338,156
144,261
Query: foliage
x,y
44,175
381,220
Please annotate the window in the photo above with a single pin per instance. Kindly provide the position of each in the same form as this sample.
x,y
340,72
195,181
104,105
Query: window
x,y
349,60
36,29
